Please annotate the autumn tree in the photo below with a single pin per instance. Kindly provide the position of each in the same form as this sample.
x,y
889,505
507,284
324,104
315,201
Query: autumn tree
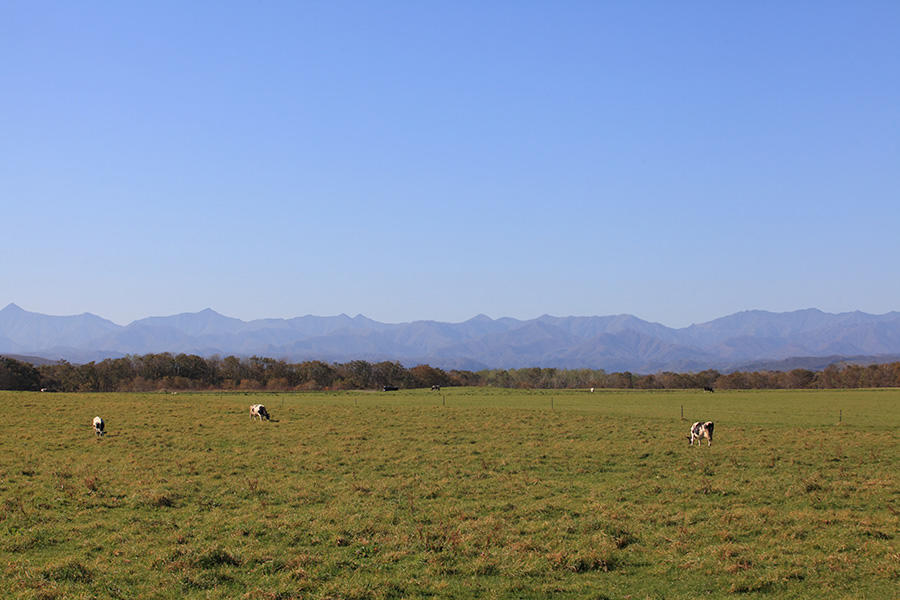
x,y
427,376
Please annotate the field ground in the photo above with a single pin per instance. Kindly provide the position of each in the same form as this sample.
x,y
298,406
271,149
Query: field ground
x,y
496,494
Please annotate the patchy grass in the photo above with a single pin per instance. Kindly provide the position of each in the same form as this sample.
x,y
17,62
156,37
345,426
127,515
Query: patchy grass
x,y
466,493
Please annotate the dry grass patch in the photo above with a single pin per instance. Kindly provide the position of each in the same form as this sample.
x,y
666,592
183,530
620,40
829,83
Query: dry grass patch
x,y
495,494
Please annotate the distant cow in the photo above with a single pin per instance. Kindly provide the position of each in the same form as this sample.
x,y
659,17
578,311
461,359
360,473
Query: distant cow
x,y
702,430
259,411
99,426
435,388
389,388
707,388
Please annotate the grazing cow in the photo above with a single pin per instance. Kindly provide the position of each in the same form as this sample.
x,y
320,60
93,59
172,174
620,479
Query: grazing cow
x,y
99,426
259,411
435,388
701,430
707,388
389,388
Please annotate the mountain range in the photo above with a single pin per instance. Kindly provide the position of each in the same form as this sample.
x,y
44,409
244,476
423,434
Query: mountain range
x,y
749,339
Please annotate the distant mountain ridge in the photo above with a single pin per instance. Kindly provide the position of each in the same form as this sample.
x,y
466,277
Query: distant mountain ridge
x,y
614,343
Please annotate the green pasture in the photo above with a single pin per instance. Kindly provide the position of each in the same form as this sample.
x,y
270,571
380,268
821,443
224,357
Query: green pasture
x,y
463,493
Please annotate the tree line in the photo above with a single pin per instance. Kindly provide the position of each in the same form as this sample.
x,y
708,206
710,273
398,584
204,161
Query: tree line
x,y
167,371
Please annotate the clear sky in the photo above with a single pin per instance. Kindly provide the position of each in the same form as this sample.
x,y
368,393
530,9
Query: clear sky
x,y
679,161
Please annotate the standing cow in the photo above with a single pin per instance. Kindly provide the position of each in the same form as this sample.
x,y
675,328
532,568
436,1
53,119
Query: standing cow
x,y
99,426
259,411
702,430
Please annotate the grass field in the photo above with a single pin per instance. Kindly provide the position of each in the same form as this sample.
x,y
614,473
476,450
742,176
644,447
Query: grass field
x,y
494,494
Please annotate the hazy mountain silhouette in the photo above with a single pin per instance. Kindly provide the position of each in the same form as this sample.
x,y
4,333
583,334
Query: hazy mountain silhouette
x,y
614,343
34,330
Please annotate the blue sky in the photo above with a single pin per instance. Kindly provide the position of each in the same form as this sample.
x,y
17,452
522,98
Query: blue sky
x,y
679,161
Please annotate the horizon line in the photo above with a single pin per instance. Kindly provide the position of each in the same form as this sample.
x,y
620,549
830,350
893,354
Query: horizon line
x,y
482,315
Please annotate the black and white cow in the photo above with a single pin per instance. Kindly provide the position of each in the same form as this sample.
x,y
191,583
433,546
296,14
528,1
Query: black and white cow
x,y
435,388
702,430
259,411
99,426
